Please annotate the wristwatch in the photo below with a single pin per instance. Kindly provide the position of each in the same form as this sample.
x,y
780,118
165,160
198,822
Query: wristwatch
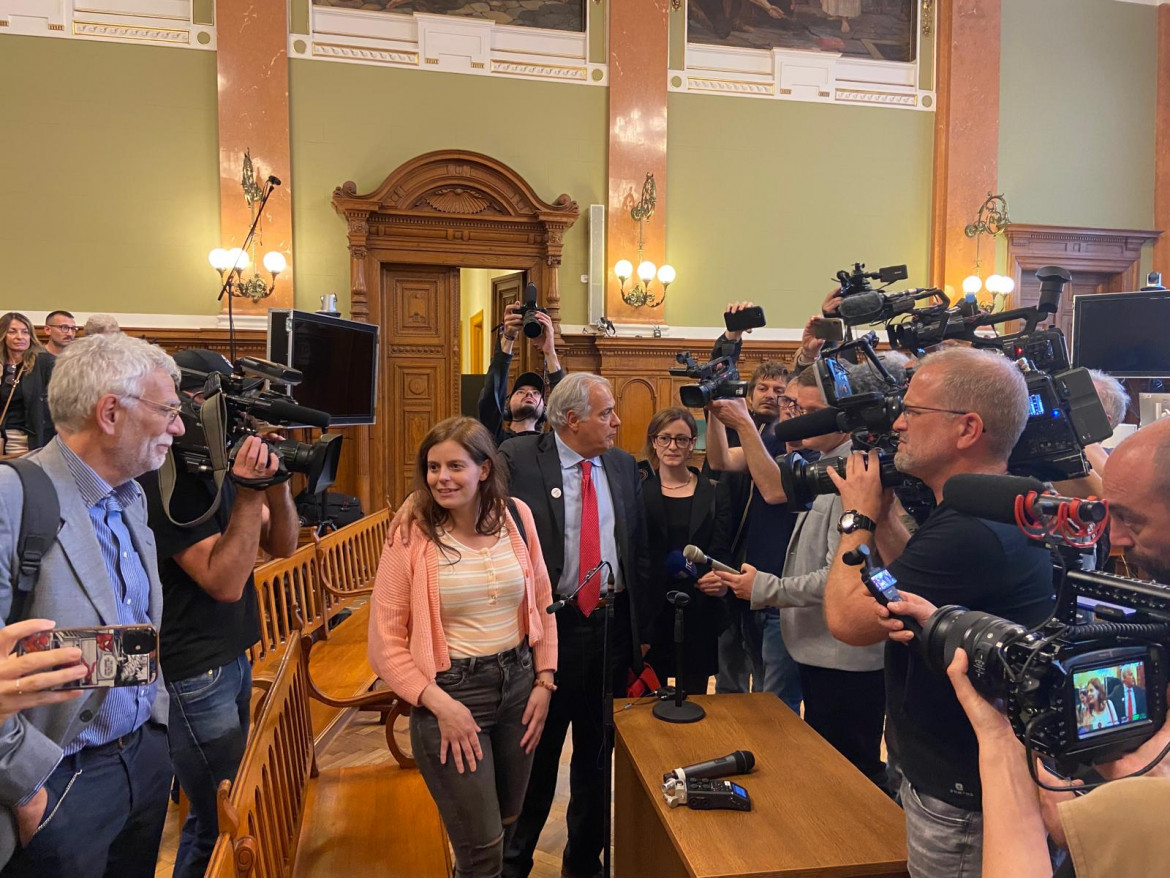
x,y
851,520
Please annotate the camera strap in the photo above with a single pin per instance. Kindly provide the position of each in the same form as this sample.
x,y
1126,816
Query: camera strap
x,y
213,419
40,519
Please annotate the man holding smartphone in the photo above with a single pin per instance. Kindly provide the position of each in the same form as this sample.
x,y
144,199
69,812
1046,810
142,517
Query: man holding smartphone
x,y
83,790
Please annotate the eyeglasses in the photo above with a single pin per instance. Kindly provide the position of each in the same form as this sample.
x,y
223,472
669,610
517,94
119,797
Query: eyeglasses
x,y
664,441
925,409
791,406
61,326
171,411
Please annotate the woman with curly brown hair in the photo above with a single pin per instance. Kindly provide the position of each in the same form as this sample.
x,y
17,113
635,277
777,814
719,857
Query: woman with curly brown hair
x,y
458,629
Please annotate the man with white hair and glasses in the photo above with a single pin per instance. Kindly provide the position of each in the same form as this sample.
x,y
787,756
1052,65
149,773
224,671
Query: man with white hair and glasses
x,y
85,776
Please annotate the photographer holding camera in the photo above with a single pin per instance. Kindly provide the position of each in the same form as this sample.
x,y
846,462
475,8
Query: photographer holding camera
x,y
844,694
524,407
755,529
963,412
1116,830
210,612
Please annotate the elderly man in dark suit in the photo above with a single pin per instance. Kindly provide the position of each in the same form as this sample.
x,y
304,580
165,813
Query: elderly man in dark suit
x,y
1129,699
586,497
84,779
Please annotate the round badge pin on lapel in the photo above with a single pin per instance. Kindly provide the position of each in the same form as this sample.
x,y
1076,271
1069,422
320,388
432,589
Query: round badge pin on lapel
x,y
556,493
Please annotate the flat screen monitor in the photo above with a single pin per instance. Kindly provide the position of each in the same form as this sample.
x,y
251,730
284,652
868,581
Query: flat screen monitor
x,y
338,358
1124,334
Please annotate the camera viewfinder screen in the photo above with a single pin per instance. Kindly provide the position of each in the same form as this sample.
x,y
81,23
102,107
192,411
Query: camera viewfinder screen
x,y
841,386
1109,697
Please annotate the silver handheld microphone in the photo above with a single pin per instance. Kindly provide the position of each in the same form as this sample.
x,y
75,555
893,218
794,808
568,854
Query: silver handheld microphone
x,y
695,554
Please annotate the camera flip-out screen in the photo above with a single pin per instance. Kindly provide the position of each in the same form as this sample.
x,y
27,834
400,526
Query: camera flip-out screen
x,y
1110,696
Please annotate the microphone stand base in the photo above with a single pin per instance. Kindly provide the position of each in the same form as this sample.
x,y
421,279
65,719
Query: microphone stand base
x,y
687,712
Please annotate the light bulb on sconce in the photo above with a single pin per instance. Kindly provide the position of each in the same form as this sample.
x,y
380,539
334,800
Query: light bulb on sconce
x,y
641,294
274,263
972,284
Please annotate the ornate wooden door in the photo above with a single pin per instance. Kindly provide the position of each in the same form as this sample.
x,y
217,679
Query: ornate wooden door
x,y
419,314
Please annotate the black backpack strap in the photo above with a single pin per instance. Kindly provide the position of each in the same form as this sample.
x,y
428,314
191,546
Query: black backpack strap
x,y
516,518
39,521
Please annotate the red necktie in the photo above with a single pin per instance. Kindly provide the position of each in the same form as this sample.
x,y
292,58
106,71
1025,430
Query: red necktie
x,y
1129,711
590,554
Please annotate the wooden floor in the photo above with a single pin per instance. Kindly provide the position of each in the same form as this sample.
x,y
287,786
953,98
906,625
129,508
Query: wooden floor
x,y
364,743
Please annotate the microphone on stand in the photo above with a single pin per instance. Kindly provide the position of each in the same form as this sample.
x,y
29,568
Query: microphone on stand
x,y
275,181
560,604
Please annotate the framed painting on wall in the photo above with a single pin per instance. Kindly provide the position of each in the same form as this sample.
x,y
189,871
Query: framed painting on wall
x,y
883,30
562,15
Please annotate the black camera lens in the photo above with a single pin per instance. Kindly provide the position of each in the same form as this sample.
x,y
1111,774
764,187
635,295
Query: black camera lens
x,y
981,635
531,326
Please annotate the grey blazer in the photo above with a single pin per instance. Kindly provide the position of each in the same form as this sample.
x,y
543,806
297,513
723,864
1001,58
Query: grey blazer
x,y
800,593
73,590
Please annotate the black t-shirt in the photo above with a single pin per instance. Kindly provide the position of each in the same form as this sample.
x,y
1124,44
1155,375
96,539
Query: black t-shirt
x,y
955,558
198,632
769,526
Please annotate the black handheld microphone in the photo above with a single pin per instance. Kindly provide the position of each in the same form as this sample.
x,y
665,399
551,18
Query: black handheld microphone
x,y
739,762
275,181
561,603
994,498
695,554
816,423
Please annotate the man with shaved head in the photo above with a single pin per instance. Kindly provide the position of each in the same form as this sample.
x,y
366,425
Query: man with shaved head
x,y
1137,486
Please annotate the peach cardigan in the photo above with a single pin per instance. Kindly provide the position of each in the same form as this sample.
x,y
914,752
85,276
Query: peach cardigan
x,y
407,646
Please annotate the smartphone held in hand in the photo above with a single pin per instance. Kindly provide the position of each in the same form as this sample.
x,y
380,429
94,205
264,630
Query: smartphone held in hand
x,y
114,655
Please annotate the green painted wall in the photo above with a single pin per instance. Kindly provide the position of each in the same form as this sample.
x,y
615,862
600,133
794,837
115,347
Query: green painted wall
x,y
769,199
1077,99
555,136
109,182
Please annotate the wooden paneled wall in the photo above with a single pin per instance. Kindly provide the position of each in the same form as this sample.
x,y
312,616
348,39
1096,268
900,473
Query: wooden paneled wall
x,y
640,371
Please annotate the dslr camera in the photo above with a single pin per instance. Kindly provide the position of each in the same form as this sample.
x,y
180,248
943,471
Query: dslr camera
x,y
717,379
217,427
529,309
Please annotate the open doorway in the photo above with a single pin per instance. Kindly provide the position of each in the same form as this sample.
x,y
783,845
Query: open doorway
x,y
483,295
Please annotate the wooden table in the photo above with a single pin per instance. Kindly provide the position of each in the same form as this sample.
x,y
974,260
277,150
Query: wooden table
x,y
813,814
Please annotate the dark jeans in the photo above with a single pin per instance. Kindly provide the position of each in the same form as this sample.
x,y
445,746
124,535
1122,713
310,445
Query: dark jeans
x,y
577,702
741,656
105,813
781,676
208,732
848,709
474,805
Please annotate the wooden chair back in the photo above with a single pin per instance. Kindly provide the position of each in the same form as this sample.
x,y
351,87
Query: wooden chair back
x,y
348,557
284,587
267,800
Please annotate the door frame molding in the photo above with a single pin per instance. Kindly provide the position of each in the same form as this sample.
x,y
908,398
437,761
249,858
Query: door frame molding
x,y
446,208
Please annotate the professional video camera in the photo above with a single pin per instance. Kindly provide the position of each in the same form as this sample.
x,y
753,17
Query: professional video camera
x,y
216,427
858,280
1065,413
1047,675
718,379
531,326
868,417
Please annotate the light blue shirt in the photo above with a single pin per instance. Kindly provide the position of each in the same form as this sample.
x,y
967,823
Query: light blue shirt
x,y
571,487
125,708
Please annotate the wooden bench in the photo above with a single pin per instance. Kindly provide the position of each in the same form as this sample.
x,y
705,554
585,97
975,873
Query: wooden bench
x,y
282,818
304,594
